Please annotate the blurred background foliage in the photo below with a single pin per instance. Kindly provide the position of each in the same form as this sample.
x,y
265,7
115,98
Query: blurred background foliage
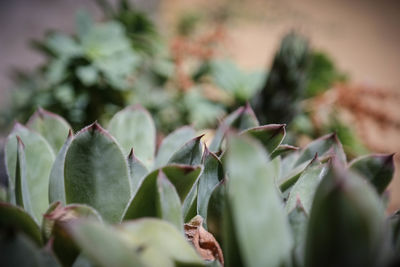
x,y
185,79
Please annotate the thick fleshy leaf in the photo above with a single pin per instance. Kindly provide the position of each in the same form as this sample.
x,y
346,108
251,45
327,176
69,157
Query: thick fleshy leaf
x,y
286,183
377,169
189,154
282,149
156,197
324,146
54,222
172,143
183,177
14,217
134,127
96,173
243,118
270,135
104,245
189,206
56,183
51,126
18,250
260,223
22,196
213,173
298,220
304,189
39,159
346,224
137,171
215,210
163,244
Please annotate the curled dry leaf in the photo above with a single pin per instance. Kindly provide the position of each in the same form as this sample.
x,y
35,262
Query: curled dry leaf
x,y
203,241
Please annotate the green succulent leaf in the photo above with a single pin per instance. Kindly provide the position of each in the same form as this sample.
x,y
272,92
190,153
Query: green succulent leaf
x,y
304,189
189,206
346,224
156,197
39,159
15,217
243,118
282,149
56,180
51,126
324,146
189,154
172,143
96,173
104,245
22,196
133,127
260,224
137,171
53,227
270,136
213,173
215,210
298,219
377,169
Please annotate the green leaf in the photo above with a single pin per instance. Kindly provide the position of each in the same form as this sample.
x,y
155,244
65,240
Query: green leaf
x,y
213,173
156,197
104,245
163,244
324,146
243,118
56,182
377,169
53,227
137,171
172,143
15,217
39,159
96,173
282,149
260,224
134,127
304,189
270,136
22,196
346,224
189,154
51,126
189,207
215,210
298,219
87,74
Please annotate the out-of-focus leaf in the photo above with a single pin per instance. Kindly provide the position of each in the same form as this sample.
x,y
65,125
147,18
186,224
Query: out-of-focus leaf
x,y
51,126
56,180
156,197
163,244
39,159
213,173
18,250
325,146
137,171
15,217
134,127
87,74
346,224
270,135
189,154
298,219
53,226
377,169
22,196
104,246
243,118
172,143
96,173
63,45
260,224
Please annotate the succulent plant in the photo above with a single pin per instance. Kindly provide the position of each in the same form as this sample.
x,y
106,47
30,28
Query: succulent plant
x,y
112,197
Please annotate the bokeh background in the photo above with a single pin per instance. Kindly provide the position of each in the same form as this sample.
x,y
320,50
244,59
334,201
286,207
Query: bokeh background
x,y
361,36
